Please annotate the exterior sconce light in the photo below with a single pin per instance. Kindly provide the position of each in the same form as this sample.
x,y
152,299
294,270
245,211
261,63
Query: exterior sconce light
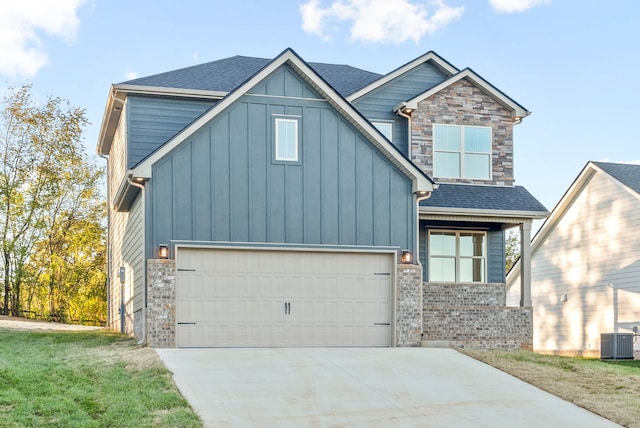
x,y
406,258
407,110
163,251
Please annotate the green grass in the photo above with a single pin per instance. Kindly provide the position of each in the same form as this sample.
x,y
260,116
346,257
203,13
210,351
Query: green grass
x,y
610,388
85,379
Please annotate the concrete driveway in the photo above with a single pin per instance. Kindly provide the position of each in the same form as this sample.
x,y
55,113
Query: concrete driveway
x,y
361,387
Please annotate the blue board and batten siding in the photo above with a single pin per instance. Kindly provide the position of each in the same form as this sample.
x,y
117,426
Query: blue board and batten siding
x,y
152,121
379,103
222,184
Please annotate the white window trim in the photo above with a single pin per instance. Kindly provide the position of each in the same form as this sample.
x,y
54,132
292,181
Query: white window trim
x,y
462,151
378,123
457,233
296,142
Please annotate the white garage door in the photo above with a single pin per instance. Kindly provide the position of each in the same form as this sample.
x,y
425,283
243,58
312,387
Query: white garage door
x,y
236,298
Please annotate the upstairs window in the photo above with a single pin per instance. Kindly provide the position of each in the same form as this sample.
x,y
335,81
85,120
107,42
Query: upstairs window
x,y
286,139
462,152
385,128
457,256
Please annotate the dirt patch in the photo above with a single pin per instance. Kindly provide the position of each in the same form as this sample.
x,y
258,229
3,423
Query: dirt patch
x,y
26,324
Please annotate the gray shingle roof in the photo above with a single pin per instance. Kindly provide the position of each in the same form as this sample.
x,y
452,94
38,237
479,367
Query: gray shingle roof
x,y
627,174
227,74
499,198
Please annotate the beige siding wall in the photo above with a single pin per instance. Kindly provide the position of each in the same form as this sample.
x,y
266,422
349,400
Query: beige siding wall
x,y
590,261
126,238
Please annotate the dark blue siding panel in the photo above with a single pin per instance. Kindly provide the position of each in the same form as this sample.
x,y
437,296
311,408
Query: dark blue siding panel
x,y
347,186
238,166
259,158
223,184
152,121
163,203
312,161
219,132
329,181
496,256
364,185
381,200
182,186
202,185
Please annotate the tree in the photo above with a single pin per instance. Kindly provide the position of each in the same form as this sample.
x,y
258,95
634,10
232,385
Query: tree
x,y
512,249
49,204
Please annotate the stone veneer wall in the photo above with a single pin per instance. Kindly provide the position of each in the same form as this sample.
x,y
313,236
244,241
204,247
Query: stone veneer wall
x,y
409,306
464,104
161,303
475,316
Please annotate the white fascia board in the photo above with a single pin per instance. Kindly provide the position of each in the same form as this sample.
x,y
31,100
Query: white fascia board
x,y
517,111
429,56
420,182
471,212
176,92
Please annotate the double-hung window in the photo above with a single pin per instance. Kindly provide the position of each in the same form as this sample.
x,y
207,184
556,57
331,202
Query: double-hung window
x,y
462,151
286,139
457,256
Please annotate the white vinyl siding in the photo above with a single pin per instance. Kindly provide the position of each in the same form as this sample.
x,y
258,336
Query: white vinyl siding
x,y
462,151
591,256
127,250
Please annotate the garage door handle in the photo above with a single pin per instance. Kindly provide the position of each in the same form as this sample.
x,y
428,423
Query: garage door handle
x,y
287,308
186,323
381,323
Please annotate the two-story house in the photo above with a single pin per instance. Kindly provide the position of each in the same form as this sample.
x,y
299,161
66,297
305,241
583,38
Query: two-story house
x,y
258,202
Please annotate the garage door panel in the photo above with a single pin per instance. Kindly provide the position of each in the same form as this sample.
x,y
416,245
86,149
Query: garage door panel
x,y
237,298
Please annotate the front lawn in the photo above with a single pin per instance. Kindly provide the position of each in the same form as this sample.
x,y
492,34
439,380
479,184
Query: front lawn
x,y
86,379
608,388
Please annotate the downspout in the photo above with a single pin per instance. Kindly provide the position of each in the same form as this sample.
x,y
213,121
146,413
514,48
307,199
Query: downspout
x,y
400,113
420,196
143,339
106,158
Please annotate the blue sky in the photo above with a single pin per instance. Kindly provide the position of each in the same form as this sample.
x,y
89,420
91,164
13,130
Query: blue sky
x,y
573,63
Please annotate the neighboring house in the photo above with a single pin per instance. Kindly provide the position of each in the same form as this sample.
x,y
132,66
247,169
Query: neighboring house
x,y
297,205
586,262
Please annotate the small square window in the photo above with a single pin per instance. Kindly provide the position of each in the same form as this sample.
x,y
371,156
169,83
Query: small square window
x,y
385,128
286,140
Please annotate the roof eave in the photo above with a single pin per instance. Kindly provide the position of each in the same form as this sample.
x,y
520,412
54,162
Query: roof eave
x,y
515,214
177,92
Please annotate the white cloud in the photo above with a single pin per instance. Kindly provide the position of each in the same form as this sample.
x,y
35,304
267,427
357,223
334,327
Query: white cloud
x,y
510,6
21,23
379,21
130,75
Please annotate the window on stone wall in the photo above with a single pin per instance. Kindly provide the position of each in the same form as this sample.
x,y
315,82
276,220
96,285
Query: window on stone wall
x,y
457,256
462,152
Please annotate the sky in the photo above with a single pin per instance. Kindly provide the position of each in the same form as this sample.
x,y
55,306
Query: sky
x,y
572,63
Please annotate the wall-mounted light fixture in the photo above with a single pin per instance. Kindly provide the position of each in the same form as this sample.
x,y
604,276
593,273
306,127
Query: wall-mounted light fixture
x,y
406,258
564,298
163,251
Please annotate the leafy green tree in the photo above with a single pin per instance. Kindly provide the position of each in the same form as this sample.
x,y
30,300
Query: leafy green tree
x,y
51,211
512,249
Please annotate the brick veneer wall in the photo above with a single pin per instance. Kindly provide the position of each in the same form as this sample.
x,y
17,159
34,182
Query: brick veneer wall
x,y
161,303
409,305
464,104
475,316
